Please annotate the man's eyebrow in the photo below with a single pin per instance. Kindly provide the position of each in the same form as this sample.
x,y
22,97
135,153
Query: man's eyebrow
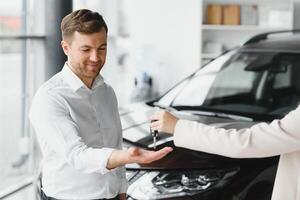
x,y
87,46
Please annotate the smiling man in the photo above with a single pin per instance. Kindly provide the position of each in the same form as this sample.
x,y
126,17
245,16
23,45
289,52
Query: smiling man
x,y
75,116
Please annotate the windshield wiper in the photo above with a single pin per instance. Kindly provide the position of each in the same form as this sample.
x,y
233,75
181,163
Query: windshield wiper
x,y
235,117
217,114
207,113
168,108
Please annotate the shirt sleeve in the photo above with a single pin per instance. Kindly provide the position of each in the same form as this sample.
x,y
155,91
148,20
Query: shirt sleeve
x,y
121,170
124,182
261,140
56,130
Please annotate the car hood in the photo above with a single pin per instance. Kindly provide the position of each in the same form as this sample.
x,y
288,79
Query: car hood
x,y
136,131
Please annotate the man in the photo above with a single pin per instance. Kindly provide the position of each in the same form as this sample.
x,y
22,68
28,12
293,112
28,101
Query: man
x,y
75,117
281,137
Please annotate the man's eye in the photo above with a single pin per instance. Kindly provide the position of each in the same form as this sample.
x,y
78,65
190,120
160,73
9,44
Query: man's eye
x,y
85,50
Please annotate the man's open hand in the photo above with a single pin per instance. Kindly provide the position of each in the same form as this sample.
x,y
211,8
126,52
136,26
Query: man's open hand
x,y
135,155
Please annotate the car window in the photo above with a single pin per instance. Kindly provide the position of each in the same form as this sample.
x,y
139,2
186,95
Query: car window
x,y
200,81
233,79
242,82
219,79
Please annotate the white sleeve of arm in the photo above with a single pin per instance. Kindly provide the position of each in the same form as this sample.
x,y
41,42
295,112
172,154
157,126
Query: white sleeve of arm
x,y
124,182
261,140
55,128
121,171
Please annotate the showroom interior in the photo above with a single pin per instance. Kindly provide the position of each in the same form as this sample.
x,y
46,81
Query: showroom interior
x,y
152,45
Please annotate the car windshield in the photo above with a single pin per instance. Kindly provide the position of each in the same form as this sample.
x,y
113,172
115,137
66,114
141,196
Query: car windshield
x,y
240,82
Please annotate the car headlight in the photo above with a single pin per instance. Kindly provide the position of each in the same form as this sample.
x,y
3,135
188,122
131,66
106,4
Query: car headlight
x,y
167,184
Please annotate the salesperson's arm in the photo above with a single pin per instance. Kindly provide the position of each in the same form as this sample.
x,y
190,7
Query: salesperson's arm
x,y
261,140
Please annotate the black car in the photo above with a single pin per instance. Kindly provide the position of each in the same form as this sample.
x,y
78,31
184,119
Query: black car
x,y
259,81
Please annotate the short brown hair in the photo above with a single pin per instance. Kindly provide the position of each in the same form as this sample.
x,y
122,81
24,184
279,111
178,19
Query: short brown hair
x,y
83,21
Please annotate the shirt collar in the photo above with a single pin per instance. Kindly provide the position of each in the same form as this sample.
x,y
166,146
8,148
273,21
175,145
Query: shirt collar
x,y
98,81
74,81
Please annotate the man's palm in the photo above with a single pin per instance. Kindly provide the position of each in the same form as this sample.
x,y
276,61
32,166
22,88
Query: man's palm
x,y
142,156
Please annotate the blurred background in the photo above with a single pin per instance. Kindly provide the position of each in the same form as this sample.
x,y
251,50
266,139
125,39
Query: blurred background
x,y
152,45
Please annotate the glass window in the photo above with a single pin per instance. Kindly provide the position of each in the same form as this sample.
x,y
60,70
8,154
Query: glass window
x,y
250,83
21,61
10,17
196,86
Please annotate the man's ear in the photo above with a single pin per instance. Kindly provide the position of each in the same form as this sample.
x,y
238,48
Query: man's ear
x,y
65,46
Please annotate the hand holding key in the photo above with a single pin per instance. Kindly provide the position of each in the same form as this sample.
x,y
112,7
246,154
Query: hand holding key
x,y
163,121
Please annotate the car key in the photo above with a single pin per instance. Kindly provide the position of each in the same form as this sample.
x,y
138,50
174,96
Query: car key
x,y
154,136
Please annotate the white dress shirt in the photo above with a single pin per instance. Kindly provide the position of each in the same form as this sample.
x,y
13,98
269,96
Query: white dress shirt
x,y
77,129
281,137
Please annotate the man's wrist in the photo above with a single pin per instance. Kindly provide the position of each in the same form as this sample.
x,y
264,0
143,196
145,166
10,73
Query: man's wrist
x,y
122,196
117,158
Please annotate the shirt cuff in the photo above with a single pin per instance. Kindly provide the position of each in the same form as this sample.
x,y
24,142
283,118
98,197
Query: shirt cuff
x,y
124,186
181,133
102,158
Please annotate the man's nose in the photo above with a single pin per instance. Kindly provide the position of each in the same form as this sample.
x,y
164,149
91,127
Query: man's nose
x,y
94,56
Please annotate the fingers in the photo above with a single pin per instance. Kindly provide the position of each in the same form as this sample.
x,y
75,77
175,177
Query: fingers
x,y
161,153
146,156
156,155
156,125
158,119
155,117
167,149
165,122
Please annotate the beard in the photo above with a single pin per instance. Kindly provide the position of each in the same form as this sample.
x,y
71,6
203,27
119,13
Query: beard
x,y
87,69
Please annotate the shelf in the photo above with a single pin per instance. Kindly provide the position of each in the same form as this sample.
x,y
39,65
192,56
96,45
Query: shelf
x,y
231,36
241,27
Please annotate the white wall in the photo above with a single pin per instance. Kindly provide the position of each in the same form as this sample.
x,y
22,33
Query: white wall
x,y
107,8
165,38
